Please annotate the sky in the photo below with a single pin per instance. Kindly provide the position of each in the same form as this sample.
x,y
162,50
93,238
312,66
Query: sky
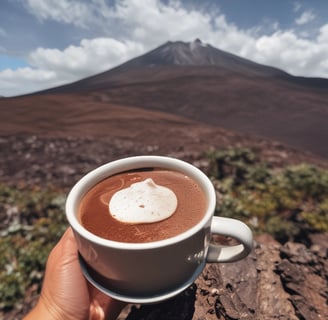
x,y
46,43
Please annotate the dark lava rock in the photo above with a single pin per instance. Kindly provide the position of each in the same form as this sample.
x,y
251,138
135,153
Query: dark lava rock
x,y
285,282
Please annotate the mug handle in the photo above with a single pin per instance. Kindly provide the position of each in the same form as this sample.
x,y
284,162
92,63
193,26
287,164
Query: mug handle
x,y
231,228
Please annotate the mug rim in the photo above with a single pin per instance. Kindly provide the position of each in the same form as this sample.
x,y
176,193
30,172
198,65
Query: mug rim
x,y
129,163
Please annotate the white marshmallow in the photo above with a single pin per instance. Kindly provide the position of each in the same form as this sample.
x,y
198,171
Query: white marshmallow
x,y
143,202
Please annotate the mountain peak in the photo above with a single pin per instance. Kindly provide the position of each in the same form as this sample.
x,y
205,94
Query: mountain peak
x,y
196,44
198,53
185,53
176,53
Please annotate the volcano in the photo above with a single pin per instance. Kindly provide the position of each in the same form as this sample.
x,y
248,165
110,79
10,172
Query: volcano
x,y
184,81
183,56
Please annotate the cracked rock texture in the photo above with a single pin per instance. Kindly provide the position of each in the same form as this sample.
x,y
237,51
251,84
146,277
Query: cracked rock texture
x,y
285,282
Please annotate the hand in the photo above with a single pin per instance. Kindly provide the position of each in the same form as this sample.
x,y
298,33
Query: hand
x,y
66,294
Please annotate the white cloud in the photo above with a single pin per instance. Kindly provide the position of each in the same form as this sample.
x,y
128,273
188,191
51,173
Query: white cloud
x,y
147,24
53,67
323,36
305,17
66,11
229,37
91,56
150,20
144,21
297,6
296,55
24,80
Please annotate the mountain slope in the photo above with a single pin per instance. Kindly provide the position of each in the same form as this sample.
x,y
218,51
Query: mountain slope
x,y
153,65
198,82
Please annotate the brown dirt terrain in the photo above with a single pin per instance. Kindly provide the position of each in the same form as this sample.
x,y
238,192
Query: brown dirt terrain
x,y
275,282
55,137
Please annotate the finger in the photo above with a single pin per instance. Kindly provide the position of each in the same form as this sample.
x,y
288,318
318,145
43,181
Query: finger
x,y
110,307
65,288
66,242
96,311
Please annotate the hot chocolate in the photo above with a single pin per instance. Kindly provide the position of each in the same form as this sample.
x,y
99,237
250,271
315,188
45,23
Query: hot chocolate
x,y
160,204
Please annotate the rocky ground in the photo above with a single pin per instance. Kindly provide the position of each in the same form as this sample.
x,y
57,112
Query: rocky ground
x,y
277,281
286,282
60,161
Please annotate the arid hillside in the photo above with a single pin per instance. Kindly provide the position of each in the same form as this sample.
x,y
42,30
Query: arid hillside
x,y
183,88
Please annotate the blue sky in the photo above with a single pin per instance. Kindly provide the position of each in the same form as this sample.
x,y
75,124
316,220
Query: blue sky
x,y
45,43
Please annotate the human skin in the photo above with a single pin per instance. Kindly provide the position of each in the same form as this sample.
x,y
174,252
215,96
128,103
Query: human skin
x,y
66,294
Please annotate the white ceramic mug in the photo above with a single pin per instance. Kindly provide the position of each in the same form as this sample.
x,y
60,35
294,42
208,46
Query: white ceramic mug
x,y
153,271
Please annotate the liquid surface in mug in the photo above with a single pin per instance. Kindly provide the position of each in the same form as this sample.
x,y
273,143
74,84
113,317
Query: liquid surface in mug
x,y
95,215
